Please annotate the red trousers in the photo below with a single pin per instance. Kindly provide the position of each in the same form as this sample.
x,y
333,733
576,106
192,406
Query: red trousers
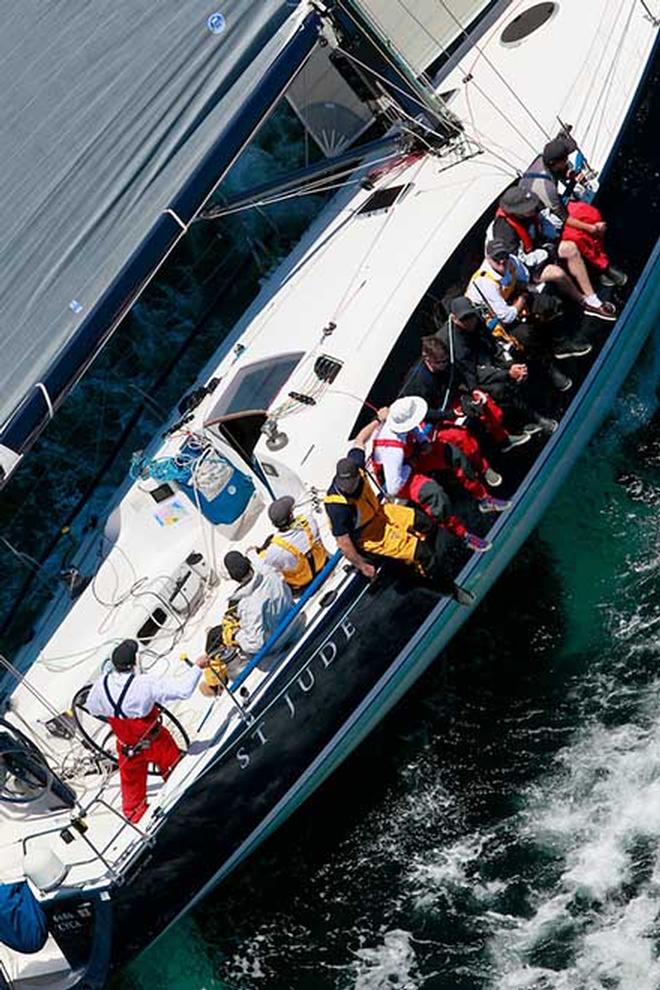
x,y
162,751
435,459
591,248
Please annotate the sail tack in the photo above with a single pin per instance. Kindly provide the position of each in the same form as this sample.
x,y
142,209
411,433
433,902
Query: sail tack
x,y
107,112
418,31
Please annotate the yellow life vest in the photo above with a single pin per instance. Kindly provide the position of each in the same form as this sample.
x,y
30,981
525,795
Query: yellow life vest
x,y
308,562
366,502
507,292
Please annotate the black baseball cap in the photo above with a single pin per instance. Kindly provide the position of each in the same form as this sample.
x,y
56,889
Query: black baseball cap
x,y
497,250
279,511
237,564
557,149
461,307
124,655
346,473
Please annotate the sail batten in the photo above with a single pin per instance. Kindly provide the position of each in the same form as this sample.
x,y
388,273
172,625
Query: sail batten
x,y
115,114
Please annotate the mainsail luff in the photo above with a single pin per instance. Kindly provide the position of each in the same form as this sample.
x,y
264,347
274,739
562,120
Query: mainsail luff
x,y
33,413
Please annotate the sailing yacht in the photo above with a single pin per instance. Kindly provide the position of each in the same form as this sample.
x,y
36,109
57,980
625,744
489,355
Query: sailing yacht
x,y
145,117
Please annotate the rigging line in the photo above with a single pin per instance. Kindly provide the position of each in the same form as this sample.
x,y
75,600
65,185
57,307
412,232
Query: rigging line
x,y
370,247
312,187
497,72
467,80
296,194
448,120
593,73
477,136
441,109
23,681
475,140
601,102
655,21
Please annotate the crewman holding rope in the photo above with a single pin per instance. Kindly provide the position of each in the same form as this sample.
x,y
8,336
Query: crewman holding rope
x,y
130,701
295,550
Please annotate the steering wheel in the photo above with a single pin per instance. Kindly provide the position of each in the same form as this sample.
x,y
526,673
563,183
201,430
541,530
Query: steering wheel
x,y
106,747
24,774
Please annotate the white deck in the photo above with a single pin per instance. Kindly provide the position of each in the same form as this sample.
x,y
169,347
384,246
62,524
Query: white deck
x,y
365,273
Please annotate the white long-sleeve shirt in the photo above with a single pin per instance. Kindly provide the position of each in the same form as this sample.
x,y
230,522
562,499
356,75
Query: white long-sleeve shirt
x,y
145,691
392,460
261,604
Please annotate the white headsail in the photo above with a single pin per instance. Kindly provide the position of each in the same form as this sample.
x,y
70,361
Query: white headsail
x,y
418,31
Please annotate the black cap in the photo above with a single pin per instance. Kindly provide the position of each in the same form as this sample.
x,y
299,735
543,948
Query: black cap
x,y
557,149
461,307
279,511
346,473
238,566
520,202
124,656
497,250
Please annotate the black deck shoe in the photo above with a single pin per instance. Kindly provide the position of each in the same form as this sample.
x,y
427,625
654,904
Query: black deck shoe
x,y
613,276
514,440
547,425
463,596
559,380
572,349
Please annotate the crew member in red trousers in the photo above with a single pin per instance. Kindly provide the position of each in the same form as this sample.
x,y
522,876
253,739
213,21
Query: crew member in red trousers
x,y
129,700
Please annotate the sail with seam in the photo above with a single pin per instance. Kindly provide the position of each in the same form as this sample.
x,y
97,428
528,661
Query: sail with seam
x,y
118,121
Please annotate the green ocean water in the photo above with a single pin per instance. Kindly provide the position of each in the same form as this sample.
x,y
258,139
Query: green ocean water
x,y
502,827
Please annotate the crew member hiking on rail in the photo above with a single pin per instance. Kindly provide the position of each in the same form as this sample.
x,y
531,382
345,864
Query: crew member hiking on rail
x,y
491,371
295,551
519,224
576,220
520,318
407,455
367,529
129,700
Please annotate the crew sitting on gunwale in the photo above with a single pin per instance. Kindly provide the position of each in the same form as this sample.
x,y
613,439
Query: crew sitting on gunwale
x,y
367,529
408,453
576,220
519,225
519,318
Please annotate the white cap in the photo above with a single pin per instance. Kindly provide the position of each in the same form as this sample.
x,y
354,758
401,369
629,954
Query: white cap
x,y
405,414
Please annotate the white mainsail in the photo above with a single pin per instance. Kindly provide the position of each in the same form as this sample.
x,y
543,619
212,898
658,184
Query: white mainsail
x,y
420,30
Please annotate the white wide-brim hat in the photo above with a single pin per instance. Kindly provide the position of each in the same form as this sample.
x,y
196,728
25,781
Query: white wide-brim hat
x,y
407,413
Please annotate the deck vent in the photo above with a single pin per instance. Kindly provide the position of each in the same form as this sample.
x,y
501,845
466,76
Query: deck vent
x,y
527,23
383,199
327,368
